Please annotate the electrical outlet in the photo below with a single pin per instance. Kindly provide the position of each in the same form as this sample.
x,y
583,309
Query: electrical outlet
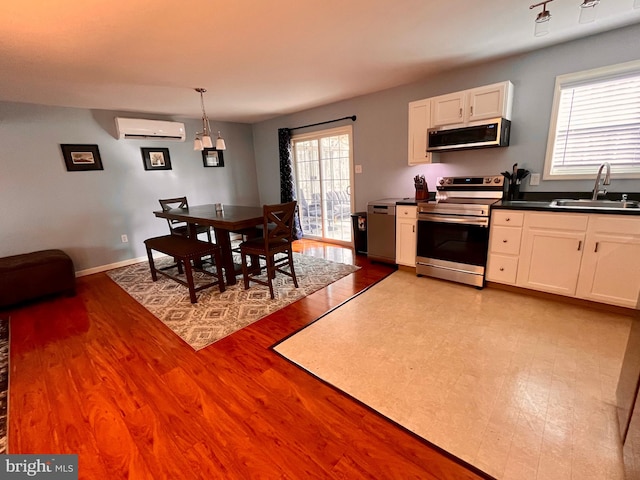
x,y
124,239
534,179
358,168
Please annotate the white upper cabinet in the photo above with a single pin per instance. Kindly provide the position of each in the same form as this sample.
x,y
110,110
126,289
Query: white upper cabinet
x,y
419,122
467,106
448,109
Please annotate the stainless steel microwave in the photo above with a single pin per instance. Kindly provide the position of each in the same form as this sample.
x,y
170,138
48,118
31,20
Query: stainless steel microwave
x,y
492,133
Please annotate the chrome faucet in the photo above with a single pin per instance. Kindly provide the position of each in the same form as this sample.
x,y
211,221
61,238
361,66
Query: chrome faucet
x,y
607,181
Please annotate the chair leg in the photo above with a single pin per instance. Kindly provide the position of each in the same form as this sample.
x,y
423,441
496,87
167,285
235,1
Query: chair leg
x,y
245,270
152,266
189,274
271,273
293,272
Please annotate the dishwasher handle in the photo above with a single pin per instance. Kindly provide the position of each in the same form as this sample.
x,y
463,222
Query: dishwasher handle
x,y
382,210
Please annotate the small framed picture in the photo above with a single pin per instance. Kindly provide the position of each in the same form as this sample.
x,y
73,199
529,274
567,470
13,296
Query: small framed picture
x,y
79,158
212,158
156,158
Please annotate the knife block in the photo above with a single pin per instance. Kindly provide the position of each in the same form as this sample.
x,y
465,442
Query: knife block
x,y
422,194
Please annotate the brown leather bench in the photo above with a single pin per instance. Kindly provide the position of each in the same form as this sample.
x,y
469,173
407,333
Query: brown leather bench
x,y
185,250
30,276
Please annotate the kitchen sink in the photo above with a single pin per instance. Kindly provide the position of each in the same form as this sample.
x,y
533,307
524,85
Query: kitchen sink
x,y
604,204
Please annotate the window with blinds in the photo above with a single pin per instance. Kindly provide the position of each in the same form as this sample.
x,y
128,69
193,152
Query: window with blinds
x,y
596,119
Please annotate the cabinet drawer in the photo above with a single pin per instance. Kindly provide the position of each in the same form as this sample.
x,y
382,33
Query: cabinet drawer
x,y
406,211
502,269
507,218
558,221
615,224
505,240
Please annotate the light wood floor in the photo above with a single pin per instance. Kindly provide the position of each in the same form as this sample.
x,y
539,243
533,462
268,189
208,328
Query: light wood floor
x,y
99,376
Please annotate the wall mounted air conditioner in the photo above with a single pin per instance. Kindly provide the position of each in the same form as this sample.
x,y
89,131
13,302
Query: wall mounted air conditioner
x,y
141,129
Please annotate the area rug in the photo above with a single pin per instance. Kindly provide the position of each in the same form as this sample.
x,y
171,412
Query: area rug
x,y
520,387
217,315
4,382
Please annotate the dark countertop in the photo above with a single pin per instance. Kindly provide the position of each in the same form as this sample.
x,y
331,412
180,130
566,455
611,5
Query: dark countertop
x,y
407,201
543,205
541,201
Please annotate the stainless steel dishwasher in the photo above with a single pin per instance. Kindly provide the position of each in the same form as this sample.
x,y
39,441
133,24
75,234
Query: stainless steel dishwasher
x,y
381,230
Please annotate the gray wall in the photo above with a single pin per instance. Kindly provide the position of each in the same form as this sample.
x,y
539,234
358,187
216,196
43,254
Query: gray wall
x,y
380,132
85,213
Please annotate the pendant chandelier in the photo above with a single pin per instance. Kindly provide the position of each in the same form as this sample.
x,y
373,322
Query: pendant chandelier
x,y
203,138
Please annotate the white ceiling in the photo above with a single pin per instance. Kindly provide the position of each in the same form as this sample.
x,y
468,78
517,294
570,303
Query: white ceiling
x,y
258,58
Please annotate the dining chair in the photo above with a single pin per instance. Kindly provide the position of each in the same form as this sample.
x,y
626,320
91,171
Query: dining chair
x,y
278,223
178,227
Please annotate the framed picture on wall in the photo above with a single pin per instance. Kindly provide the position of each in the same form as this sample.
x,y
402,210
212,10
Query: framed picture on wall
x,y
156,158
79,158
212,158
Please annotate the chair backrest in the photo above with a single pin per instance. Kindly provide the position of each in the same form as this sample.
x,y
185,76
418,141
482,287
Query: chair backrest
x,y
168,204
278,223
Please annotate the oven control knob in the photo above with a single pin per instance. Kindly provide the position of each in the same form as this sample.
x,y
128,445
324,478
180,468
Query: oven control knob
x,y
487,180
441,181
449,181
496,180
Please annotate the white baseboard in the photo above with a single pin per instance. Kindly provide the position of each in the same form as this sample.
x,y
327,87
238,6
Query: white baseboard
x,y
111,266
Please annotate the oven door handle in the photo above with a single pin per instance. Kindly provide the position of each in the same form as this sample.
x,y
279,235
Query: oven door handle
x,y
476,221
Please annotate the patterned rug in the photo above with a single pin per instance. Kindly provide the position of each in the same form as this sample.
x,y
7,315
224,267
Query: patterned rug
x,y
4,382
217,315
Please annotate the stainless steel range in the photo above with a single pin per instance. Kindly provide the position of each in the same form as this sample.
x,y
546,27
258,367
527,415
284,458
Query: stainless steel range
x,y
453,231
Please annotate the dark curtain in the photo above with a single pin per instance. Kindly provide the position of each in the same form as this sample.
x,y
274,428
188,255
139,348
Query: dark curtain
x,y
287,182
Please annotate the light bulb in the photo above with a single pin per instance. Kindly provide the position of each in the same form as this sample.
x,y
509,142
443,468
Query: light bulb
x,y
588,11
206,141
542,23
197,144
220,145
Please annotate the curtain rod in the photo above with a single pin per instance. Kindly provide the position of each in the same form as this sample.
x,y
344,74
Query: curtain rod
x,y
352,117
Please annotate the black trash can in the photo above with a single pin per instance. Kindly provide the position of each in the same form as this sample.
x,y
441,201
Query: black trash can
x,y
359,220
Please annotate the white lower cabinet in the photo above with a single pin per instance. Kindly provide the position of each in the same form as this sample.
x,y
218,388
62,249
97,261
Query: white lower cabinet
x,y
505,236
551,251
406,222
589,256
610,270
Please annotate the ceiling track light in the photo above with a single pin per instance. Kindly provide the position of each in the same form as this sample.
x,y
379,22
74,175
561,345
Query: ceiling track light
x,y
542,20
203,138
588,11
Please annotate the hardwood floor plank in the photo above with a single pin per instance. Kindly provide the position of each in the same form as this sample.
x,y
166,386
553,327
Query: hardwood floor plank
x,y
100,375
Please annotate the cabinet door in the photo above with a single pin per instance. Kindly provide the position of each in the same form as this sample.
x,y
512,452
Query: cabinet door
x,y
611,261
550,260
486,102
448,109
419,122
406,236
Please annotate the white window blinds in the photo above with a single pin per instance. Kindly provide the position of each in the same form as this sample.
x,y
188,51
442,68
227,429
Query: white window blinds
x,y
597,120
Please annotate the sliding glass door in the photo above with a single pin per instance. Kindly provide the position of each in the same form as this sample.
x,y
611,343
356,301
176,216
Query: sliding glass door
x,y
323,165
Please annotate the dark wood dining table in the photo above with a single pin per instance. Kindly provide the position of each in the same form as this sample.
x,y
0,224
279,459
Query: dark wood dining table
x,y
232,219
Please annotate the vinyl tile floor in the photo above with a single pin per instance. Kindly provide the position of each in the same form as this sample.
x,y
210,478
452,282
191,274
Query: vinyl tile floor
x,y
518,386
